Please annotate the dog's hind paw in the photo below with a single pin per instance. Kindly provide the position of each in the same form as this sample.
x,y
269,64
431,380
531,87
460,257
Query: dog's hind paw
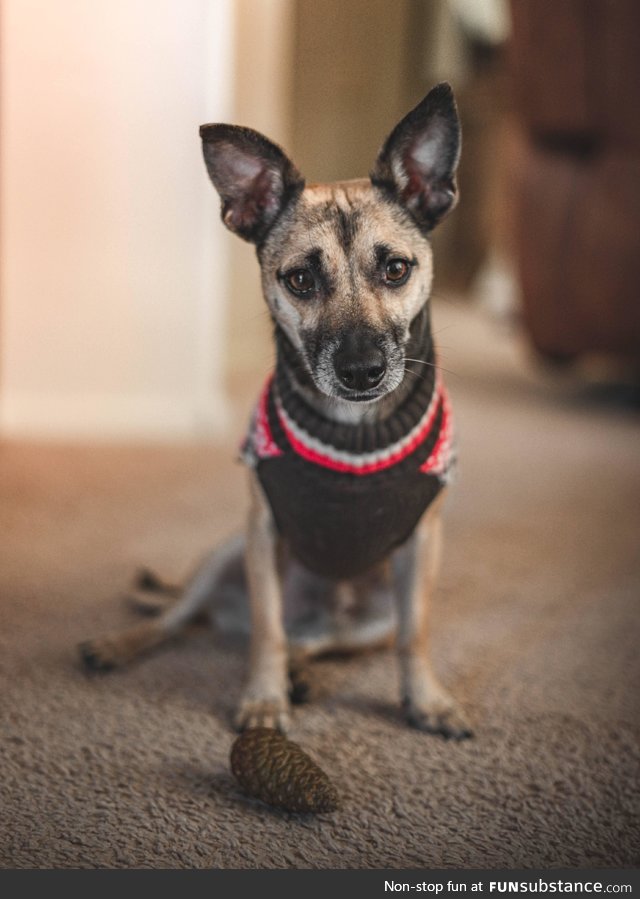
x,y
448,722
273,713
122,647
94,658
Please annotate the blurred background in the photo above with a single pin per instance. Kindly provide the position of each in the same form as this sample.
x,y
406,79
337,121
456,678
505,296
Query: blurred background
x,y
127,312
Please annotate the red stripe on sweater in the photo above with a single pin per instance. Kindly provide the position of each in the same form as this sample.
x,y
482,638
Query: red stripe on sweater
x,y
265,445
439,456
317,458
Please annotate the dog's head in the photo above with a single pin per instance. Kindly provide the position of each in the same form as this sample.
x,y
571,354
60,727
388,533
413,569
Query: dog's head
x,y
346,267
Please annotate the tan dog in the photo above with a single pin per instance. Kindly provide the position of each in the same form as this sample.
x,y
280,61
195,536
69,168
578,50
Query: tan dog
x,y
350,445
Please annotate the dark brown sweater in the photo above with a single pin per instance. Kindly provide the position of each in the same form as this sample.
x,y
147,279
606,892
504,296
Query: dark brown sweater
x,y
344,496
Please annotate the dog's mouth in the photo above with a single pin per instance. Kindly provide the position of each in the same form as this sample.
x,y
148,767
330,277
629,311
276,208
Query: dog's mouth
x,y
369,397
360,396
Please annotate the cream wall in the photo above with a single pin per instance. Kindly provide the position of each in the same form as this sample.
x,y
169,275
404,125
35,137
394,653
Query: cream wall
x,y
114,265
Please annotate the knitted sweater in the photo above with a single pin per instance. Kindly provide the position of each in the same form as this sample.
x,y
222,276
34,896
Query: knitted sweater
x,y
344,496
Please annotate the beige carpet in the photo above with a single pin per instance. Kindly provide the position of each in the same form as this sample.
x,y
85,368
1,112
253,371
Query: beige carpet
x,y
535,629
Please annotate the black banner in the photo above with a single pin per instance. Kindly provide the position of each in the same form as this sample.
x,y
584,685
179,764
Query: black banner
x,y
491,884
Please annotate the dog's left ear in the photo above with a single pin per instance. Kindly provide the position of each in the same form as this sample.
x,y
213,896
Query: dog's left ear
x,y
418,161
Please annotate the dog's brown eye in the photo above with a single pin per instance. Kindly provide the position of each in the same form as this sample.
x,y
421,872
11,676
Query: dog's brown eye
x,y
396,271
300,282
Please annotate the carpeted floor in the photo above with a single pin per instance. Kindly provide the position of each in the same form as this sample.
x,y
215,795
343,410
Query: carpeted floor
x,y
535,629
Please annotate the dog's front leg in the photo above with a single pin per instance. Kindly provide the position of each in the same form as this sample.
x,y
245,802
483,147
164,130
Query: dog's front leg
x,y
427,704
265,701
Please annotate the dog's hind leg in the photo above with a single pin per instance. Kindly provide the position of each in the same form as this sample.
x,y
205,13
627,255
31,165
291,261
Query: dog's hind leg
x,y
426,703
120,648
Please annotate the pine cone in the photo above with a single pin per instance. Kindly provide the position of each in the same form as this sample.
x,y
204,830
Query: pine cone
x,y
277,771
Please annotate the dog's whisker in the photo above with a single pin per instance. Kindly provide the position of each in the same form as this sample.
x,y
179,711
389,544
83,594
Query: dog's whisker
x,y
444,298
444,328
433,365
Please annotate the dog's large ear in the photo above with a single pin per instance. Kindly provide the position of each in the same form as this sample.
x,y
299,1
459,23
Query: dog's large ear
x,y
254,178
418,161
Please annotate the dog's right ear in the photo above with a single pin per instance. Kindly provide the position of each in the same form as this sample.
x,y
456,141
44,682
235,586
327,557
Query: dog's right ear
x,y
253,176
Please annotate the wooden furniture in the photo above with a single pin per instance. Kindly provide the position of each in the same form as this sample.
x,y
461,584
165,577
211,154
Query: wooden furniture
x,y
576,71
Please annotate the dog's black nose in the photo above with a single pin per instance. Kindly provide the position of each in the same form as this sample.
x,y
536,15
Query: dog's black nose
x,y
359,364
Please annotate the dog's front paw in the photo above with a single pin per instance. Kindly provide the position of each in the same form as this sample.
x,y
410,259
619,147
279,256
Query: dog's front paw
x,y
263,712
443,718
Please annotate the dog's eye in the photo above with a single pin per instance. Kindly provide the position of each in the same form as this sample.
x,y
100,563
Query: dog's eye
x,y
397,271
300,282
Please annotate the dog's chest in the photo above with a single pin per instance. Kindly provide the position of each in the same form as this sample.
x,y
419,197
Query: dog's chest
x,y
340,526
343,496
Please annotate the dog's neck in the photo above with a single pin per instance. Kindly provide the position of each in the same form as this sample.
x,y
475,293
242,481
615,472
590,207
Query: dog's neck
x,y
419,355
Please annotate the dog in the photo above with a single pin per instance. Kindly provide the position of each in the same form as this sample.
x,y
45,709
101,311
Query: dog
x,y
349,450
